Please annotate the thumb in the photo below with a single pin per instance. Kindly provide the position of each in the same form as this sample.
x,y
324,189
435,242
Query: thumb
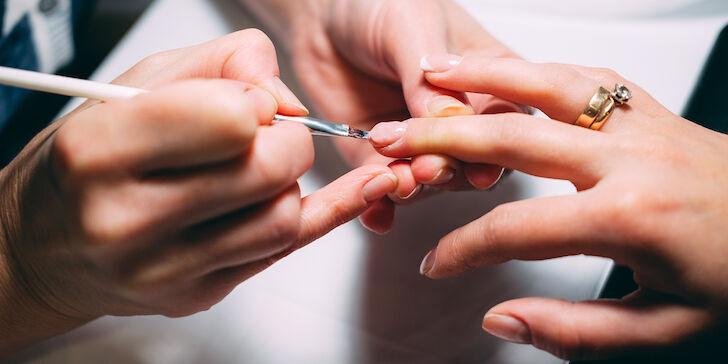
x,y
247,55
594,329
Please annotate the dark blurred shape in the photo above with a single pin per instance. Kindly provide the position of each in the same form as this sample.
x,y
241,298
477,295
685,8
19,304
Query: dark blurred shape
x,y
707,105
99,25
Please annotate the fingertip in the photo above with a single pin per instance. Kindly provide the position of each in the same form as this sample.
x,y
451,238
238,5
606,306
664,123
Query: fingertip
x,y
407,187
286,101
446,105
507,327
386,134
379,187
379,217
439,63
483,176
264,104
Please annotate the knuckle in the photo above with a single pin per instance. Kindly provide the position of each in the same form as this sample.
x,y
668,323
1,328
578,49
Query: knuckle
x,y
104,222
286,224
506,133
65,153
75,151
605,76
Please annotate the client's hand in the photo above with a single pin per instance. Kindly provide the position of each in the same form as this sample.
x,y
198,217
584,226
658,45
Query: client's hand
x,y
652,196
359,62
163,203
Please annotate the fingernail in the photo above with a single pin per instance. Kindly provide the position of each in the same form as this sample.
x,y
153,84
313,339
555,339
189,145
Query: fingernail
x,y
385,134
503,170
443,106
439,62
507,328
428,262
443,176
411,195
379,187
288,98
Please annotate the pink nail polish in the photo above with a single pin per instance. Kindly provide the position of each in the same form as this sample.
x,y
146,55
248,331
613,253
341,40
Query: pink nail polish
x,y
386,134
507,328
439,62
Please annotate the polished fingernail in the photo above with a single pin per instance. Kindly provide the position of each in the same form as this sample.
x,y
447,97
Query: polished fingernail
x,y
428,262
379,187
443,105
416,191
439,62
507,328
503,170
385,134
289,99
445,175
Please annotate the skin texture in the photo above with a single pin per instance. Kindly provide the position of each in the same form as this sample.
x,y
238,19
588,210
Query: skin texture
x,y
651,196
358,61
162,204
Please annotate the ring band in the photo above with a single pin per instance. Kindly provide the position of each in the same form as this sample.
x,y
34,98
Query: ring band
x,y
602,105
604,114
586,119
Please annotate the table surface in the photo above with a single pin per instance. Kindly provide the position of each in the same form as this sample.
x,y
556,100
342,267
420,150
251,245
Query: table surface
x,y
354,297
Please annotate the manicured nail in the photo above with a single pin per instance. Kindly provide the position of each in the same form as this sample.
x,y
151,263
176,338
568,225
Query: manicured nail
x,y
288,98
439,62
385,134
428,262
416,191
379,187
443,105
445,175
503,170
507,328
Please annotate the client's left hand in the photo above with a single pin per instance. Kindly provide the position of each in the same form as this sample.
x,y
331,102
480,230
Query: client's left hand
x,y
652,196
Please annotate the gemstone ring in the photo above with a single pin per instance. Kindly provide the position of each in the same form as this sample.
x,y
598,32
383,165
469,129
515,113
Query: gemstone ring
x,y
602,105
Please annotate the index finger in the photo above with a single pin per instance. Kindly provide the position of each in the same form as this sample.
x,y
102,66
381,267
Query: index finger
x,y
561,91
517,141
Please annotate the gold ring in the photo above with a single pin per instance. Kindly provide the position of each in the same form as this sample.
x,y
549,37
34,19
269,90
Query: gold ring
x,y
602,105
604,114
586,119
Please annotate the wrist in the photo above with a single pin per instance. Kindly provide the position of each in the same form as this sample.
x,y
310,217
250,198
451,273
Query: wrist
x,y
27,313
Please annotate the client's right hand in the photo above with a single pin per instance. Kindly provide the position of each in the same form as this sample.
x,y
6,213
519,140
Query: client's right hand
x,y
163,203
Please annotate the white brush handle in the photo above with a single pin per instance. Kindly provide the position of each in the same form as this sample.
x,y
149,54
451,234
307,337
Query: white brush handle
x,y
66,85
102,91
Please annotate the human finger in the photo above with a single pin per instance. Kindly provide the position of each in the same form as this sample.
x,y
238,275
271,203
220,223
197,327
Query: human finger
x,y
321,212
247,55
516,141
241,237
266,170
184,125
560,91
595,329
379,217
407,186
532,229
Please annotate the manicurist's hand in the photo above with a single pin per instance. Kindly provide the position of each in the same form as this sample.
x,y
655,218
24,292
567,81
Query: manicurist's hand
x,y
163,203
652,196
359,61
